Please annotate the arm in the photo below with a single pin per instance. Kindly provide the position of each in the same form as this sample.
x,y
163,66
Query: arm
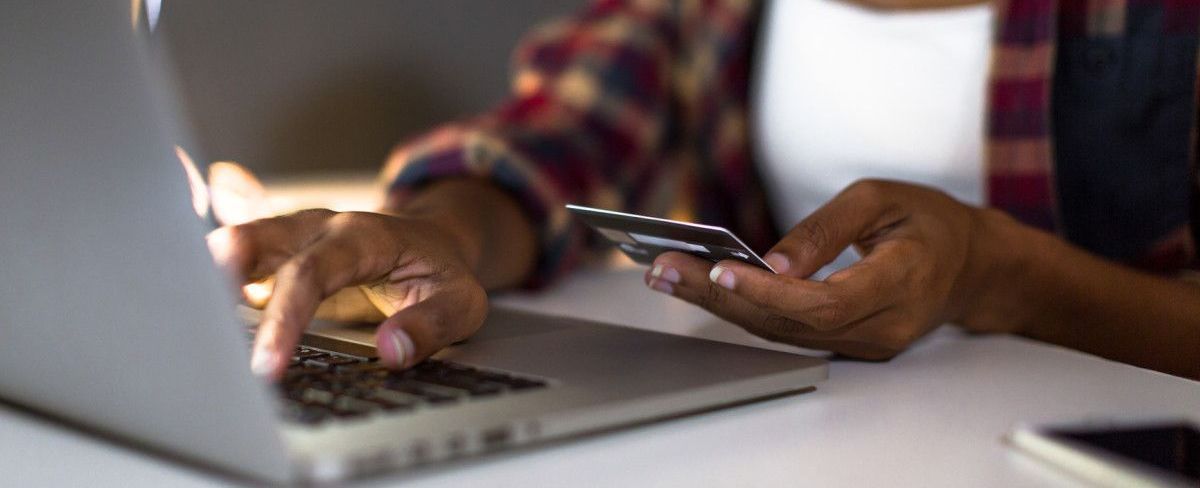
x,y
492,233
588,118
425,266
928,260
476,205
1049,290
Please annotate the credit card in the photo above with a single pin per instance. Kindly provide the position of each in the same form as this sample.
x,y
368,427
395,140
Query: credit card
x,y
643,238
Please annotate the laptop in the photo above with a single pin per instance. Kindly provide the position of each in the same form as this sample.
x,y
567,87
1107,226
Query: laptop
x,y
114,319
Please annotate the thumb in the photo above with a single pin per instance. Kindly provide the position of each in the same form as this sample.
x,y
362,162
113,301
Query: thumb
x,y
852,215
418,331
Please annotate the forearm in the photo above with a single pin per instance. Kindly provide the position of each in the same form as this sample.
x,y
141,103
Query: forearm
x,y
1041,287
494,236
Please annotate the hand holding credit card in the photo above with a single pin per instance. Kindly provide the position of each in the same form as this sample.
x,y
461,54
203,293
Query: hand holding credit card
x,y
643,238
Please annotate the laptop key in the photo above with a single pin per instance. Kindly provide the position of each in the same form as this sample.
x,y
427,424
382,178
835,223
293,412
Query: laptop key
x,y
327,362
361,369
303,354
320,385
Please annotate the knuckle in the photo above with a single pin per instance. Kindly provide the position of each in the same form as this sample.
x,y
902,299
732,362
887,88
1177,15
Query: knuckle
x,y
302,267
312,213
772,297
868,189
814,236
830,312
779,325
875,285
353,218
342,219
780,328
242,234
712,297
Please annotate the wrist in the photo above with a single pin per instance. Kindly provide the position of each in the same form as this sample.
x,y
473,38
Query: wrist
x,y
484,224
439,205
1000,269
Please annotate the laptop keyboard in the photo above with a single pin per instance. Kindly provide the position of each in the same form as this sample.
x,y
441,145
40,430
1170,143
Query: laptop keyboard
x,y
321,386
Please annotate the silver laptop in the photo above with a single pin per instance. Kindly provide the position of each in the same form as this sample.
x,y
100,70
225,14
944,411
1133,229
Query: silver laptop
x,y
114,319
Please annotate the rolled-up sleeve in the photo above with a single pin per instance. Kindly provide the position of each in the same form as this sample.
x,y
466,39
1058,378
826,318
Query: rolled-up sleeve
x,y
589,118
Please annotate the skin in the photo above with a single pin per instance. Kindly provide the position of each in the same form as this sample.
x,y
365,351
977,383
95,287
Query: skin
x,y
428,261
927,260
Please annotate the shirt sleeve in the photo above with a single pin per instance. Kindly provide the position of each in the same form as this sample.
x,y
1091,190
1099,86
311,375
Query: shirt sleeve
x,y
588,119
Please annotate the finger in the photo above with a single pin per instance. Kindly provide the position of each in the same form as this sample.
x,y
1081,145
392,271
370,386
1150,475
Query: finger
x,y
255,250
854,214
350,304
416,332
847,296
326,266
694,286
685,276
237,195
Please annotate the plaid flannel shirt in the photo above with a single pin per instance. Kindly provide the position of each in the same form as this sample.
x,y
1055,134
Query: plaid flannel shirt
x,y
642,106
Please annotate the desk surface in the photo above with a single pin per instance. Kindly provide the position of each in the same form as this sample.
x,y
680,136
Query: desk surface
x,y
933,416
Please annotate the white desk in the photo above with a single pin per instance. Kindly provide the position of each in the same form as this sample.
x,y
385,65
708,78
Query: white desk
x,y
932,417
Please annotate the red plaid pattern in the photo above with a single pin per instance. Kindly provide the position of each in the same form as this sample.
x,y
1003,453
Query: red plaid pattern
x,y
641,105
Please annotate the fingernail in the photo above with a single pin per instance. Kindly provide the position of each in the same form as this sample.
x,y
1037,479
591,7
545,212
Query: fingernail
x,y
262,362
661,286
396,349
721,276
778,262
670,275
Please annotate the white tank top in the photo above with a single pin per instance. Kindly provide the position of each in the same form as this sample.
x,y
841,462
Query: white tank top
x,y
843,93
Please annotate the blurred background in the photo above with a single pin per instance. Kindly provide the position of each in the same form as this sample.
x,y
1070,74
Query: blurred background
x,y
291,87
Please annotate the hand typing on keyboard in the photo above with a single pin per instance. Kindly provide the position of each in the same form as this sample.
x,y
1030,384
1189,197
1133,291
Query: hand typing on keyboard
x,y
424,268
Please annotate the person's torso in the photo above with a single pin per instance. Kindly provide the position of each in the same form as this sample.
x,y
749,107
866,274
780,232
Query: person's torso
x,y
1089,124
842,93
